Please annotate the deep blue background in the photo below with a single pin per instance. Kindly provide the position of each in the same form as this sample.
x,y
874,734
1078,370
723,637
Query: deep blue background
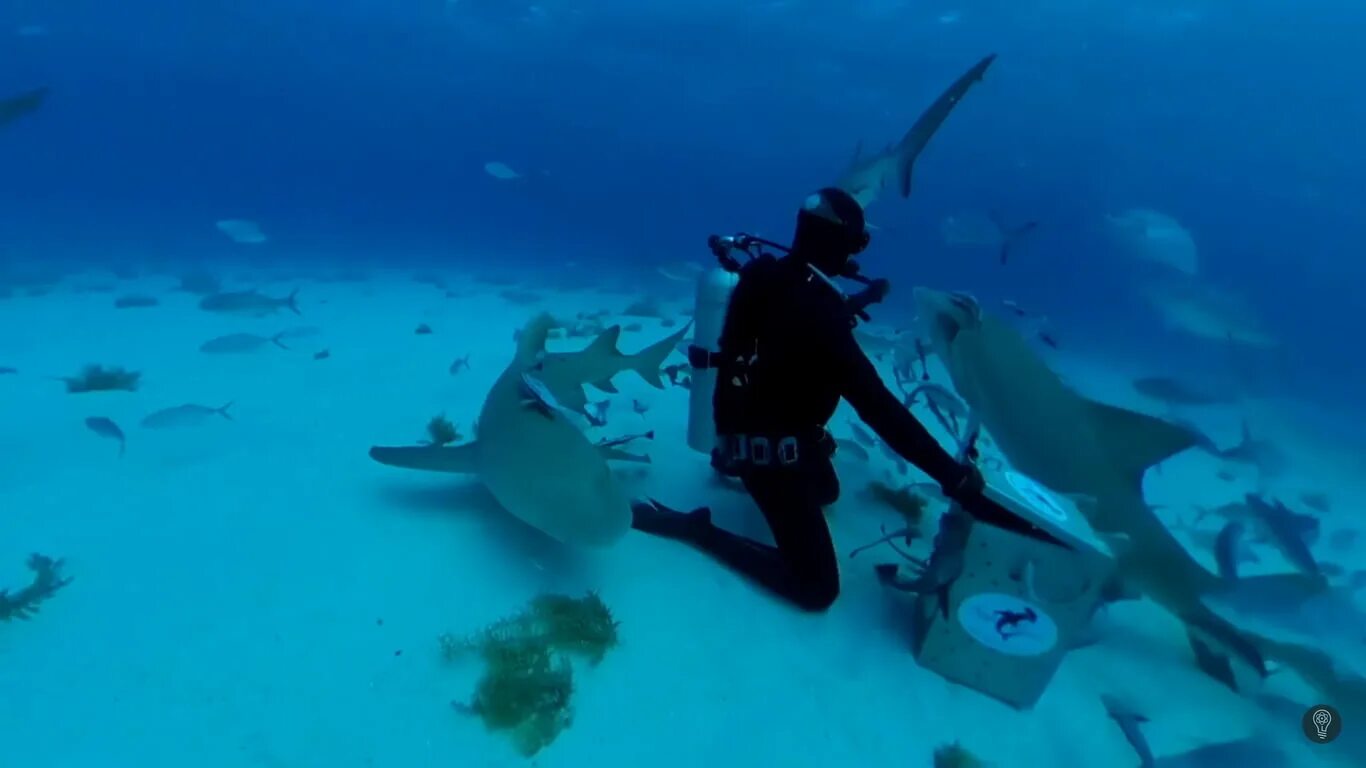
x,y
356,127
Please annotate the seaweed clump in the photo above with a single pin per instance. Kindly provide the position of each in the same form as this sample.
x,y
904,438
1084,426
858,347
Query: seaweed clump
x,y
97,378
528,681
47,580
440,431
907,503
956,755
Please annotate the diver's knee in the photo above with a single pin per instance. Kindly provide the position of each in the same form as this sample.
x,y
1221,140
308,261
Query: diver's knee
x,y
819,596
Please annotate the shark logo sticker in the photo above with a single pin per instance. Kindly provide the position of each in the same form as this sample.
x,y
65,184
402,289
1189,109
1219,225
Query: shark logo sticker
x,y
1008,624
1039,498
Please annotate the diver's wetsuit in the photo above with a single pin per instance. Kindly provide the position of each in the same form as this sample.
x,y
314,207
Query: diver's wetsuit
x,y
797,330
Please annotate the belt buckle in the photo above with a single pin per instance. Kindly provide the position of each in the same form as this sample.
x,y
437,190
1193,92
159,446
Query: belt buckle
x,y
739,448
787,450
760,451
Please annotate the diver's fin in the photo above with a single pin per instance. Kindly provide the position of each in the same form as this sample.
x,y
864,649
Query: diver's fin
x,y
1136,441
648,362
456,459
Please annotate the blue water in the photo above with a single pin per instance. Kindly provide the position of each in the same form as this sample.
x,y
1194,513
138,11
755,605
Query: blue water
x,y
356,132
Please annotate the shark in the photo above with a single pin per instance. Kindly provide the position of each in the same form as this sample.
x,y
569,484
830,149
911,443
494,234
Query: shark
x,y
535,461
14,107
867,177
1098,454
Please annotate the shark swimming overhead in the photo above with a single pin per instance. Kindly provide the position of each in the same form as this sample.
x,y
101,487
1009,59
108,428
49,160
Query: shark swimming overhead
x,y
868,176
531,455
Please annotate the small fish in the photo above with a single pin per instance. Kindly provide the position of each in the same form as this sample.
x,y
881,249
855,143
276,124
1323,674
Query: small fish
x,y
14,107
322,354
1226,475
920,351
1264,455
186,415
536,395
1014,307
597,413
1174,392
944,404
237,343
1048,338
243,231
7,371
677,373
862,436
460,364
1285,532
252,303
1344,539
639,408
1317,501
605,443
106,428
423,330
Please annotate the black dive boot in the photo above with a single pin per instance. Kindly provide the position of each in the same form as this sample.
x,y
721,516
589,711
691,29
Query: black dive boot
x,y
654,518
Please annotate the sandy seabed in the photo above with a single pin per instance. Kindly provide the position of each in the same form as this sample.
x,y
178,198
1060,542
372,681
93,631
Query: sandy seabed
x,y
258,592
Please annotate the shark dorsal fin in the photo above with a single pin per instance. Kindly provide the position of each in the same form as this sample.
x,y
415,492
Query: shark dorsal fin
x,y
605,343
1136,441
531,342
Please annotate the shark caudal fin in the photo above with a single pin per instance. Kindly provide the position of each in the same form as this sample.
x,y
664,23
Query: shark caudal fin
x,y
1135,441
454,459
648,362
531,341
913,143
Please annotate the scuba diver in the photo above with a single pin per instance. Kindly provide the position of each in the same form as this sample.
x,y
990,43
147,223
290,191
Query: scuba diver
x,y
787,355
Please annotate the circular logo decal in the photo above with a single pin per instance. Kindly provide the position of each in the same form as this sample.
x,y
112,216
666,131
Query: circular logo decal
x,y
1039,498
1007,624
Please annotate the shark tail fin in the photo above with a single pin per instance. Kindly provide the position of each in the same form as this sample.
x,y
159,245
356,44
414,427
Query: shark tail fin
x,y
224,410
1136,441
276,340
531,341
292,302
455,459
650,360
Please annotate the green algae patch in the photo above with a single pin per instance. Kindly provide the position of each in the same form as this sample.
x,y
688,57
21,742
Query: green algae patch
x,y
528,681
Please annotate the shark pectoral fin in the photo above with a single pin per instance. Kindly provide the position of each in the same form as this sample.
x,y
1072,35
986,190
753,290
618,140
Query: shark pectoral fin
x,y
1136,441
650,360
613,453
455,459
605,385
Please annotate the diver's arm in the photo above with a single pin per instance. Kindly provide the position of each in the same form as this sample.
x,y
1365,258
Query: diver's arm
x,y
880,410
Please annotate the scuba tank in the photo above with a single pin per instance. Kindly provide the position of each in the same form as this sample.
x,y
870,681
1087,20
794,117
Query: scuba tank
x,y
714,287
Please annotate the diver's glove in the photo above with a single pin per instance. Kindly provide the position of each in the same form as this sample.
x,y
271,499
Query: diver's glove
x,y
876,291
965,486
